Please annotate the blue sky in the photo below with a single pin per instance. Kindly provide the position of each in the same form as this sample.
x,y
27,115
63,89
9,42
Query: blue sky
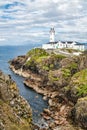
x,y
29,21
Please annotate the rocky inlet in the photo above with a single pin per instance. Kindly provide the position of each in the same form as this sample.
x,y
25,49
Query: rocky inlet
x,y
62,80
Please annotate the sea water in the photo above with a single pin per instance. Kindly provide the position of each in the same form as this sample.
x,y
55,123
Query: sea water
x,y
35,100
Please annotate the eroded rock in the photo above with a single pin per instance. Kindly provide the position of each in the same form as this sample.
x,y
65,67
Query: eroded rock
x,y
79,112
15,112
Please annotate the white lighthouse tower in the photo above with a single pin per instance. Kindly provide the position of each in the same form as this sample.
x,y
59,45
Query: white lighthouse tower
x,y
52,35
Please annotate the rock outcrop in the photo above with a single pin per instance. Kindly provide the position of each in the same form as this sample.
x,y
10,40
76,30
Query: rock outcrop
x,y
78,86
61,79
15,112
79,112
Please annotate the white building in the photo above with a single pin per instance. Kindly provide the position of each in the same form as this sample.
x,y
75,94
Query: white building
x,y
52,35
72,45
62,44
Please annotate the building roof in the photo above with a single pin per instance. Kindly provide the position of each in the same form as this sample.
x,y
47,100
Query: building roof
x,y
79,44
68,42
52,42
63,42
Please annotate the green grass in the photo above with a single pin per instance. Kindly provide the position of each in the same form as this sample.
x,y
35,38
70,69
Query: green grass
x,y
37,52
45,68
73,66
58,56
39,57
82,90
66,73
80,80
36,55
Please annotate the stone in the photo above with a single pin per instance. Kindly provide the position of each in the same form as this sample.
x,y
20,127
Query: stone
x,y
50,102
47,111
12,103
45,98
46,117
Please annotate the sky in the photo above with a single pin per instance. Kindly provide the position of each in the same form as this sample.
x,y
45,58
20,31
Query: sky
x,y
29,21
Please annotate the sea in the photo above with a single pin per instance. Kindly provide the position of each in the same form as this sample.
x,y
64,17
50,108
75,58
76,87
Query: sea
x,y
35,100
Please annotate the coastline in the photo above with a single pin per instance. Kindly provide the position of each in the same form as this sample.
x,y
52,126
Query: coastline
x,y
52,120
53,85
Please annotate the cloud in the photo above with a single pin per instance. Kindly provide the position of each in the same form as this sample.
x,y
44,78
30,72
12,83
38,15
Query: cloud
x,y
31,20
2,39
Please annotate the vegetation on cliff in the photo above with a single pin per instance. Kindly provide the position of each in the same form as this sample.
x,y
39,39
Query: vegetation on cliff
x,y
40,59
15,112
78,86
64,75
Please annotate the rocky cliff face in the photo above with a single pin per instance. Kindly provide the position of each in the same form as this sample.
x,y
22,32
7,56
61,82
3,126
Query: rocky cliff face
x,y
61,79
15,112
78,86
79,112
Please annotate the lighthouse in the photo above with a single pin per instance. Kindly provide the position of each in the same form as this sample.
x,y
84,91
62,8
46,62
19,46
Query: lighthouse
x,y
52,35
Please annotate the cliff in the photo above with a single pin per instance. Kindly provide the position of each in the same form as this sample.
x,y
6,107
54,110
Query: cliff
x,y
15,112
60,78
